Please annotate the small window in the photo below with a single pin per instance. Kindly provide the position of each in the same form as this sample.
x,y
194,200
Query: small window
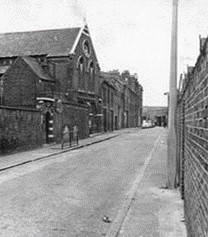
x,y
86,48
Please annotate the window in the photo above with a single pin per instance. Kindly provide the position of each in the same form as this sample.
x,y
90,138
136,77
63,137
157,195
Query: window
x,y
86,48
1,90
91,85
104,95
81,75
111,99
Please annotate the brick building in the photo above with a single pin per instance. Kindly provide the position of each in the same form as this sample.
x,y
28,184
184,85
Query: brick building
x,y
124,103
192,143
108,92
133,92
56,71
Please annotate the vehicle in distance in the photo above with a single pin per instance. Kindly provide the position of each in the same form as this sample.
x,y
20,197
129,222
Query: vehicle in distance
x,y
147,124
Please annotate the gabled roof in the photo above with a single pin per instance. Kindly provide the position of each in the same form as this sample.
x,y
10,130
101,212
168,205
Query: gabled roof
x,y
37,69
47,42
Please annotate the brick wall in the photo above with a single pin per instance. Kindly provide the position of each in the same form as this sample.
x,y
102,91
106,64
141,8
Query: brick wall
x,y
193,147
92,58
72,115
180,143
61,69
19,129
21,86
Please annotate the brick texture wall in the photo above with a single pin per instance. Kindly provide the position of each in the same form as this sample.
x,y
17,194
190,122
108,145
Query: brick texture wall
x,y
193,148
19,129
21,86
72,115
87,60
180,143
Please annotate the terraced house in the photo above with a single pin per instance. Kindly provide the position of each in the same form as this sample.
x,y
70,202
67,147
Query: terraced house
x,y
122,100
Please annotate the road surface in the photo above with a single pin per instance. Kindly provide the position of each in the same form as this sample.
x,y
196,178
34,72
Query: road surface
x,y
69,194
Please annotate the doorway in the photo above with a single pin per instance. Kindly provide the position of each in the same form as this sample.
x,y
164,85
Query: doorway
x,y
47,126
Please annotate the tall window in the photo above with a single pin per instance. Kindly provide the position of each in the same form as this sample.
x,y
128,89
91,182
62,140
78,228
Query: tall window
x,y
104,95
92,77
1,91
81,75
111,99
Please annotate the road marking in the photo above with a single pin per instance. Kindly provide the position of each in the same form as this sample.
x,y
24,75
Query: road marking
x,y
118,221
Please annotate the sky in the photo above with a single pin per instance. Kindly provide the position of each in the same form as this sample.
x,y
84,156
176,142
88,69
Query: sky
x,y
129,35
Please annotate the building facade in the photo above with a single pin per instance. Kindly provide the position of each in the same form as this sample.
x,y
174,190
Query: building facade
x,y
124,101
55,71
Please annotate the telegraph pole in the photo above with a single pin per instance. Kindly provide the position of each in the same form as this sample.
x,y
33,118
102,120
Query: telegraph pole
x,y
171,141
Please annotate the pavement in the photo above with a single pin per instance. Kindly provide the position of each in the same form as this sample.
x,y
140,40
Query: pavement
x,y
154,211
149,210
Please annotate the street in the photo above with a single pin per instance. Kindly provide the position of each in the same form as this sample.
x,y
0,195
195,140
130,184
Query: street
x,y
69,194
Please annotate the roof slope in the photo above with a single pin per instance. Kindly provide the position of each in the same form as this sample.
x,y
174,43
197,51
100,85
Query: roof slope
x,y
48,42
37,69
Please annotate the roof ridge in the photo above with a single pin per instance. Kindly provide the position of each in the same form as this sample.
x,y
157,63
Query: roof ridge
x,y
43,30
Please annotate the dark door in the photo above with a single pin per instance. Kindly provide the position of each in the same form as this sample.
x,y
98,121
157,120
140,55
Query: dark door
x,y
47,124
104,120
112,122
116,123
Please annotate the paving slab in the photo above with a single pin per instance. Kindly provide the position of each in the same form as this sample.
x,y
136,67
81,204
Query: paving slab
x,y
154,211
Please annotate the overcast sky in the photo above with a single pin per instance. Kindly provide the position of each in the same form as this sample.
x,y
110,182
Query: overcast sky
x,y
133,34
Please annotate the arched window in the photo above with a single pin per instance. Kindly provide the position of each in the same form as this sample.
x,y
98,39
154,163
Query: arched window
x,y
1,90
81,73
91,76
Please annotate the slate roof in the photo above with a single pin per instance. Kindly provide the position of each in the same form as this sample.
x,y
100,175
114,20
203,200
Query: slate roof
x,y
36,67
47,42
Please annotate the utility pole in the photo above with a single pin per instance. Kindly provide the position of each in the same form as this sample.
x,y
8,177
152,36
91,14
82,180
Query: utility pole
x,y
171,141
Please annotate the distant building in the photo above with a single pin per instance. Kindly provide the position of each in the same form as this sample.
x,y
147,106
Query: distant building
x,y
157,115
108,94
127,96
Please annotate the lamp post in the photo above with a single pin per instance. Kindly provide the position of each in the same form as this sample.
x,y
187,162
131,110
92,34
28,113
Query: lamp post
x,y
171,141
167,93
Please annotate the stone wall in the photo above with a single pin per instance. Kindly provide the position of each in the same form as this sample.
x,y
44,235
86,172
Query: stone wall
x,y
19,129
